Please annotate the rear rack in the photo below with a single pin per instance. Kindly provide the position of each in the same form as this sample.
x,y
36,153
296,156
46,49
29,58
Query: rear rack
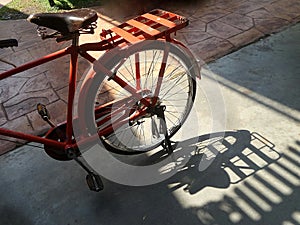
x,y
153,25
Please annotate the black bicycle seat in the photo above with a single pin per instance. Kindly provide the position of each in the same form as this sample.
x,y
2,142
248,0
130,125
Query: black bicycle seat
x,y
65,22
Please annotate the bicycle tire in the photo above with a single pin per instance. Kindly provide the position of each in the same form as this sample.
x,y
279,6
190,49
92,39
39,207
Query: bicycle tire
x,y
179,65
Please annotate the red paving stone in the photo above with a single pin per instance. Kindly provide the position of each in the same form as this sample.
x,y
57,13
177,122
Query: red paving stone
x,y
247,7
59,115
274,24
217,27
209,14
222,30
193,37
238,21
246,37
211,48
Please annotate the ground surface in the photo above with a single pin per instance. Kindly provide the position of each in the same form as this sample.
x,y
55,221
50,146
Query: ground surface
x,y
254,177
216,29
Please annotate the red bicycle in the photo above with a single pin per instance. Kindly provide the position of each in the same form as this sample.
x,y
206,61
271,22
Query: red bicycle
x,y
134,98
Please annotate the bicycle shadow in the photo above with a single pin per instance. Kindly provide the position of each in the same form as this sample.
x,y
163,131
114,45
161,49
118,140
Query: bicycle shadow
x,y
270,197
237,157
219,161
215,160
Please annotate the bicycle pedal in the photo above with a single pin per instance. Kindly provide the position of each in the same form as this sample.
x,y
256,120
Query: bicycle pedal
x,y
42,110
94,182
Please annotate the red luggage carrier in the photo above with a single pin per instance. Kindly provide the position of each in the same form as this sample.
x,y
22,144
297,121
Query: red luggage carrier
x,y
152,25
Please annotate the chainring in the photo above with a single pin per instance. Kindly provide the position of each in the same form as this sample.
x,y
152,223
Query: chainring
x,y
57,134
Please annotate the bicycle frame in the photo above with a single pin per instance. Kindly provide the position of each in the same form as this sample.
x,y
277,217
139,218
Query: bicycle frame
x,y
59,142
166,20
73,50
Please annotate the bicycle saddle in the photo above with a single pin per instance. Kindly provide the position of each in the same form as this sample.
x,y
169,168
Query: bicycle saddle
x,y
65,22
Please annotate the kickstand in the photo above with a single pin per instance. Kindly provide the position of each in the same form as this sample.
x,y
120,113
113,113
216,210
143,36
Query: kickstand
x,y
160,112
92,178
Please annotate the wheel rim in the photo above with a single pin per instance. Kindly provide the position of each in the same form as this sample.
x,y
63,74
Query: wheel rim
x,y
176,94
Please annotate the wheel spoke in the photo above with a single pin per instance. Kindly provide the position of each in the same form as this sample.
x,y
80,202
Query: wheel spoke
x,y
162,76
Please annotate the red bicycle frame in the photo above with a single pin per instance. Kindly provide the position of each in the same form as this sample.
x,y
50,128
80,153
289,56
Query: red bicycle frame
x,y
73,52
117,36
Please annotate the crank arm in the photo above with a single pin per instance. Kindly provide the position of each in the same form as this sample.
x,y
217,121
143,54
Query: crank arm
x,y
93,179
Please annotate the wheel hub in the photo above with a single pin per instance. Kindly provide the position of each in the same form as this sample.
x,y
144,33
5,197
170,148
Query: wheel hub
x,y
140,107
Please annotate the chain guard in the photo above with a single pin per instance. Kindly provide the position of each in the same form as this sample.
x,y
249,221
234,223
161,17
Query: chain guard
x,y
57,134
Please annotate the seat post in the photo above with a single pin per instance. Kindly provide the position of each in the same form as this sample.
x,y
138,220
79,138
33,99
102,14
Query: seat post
x,y
72,86
75,40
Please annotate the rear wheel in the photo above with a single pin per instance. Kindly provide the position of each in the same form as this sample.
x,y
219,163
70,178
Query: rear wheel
x,y
163,75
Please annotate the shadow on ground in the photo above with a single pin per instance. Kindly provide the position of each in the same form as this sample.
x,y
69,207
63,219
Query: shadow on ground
x,y
71,4
220,161
120,9
51,192
7,13
269,197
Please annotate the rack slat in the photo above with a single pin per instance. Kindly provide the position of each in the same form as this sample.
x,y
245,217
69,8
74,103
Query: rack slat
x,y
159,20
143,27
124,34
155,24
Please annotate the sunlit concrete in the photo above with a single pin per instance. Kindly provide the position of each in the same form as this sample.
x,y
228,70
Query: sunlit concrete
x,y
250,177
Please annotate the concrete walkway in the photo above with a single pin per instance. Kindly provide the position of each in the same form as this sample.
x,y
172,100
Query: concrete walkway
x,y
254,177
4,2
216,29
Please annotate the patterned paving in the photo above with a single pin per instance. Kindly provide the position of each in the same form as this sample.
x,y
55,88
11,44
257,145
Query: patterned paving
x,y
217,27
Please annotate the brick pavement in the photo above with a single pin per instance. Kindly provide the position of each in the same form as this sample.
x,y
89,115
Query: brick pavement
x,y
217,28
